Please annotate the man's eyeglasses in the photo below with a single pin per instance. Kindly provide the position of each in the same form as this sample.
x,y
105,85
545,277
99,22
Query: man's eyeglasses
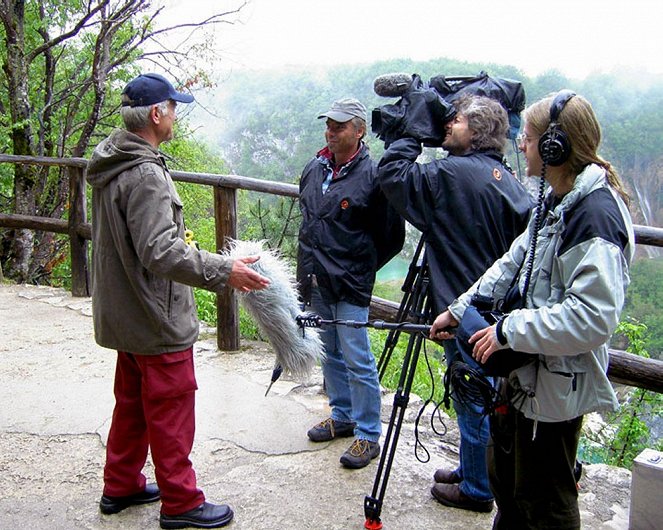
x,y
522,138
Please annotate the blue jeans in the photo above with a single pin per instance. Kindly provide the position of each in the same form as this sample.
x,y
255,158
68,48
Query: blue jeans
x,y
349,369
474,436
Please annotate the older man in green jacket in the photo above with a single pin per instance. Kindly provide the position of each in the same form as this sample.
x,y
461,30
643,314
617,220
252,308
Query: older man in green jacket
x,y
143,307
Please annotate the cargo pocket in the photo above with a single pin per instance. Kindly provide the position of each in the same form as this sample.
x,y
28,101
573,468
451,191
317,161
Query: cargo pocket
x,y
554,395
169,375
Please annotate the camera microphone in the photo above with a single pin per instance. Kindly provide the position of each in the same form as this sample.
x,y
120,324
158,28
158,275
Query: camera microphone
x,y
392,85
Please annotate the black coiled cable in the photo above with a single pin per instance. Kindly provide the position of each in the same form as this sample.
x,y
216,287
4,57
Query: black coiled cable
x,y
470,386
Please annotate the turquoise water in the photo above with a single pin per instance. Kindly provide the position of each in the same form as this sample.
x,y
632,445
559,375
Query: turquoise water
x,y
395,270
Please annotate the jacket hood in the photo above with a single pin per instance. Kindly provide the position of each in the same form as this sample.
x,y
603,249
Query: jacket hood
x,y
591,178
121,151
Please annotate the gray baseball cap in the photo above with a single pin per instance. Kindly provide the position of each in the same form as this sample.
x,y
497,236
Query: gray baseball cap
x,y
344,110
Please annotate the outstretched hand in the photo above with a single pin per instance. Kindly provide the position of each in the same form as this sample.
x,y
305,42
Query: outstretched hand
x,y
439,330
244,278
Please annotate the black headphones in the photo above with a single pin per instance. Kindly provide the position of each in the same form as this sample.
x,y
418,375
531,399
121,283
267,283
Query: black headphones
x,y
554,144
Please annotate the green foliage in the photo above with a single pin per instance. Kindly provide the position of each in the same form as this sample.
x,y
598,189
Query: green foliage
x,y
428,375
625,433
207,313
206,305
644,301
272,219
389,290
247,326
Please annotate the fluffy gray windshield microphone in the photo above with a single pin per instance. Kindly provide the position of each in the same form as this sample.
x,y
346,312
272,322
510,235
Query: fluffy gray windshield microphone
x,y
275,309
392,85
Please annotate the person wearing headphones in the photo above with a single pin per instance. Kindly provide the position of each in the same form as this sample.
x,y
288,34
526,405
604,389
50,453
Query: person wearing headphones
x,y
578,248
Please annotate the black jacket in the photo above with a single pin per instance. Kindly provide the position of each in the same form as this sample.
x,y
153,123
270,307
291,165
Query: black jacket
x,y
348,233
469,209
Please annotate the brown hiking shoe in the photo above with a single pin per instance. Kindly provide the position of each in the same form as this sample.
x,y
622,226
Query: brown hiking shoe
x,y
450,495
447,477
360,454
329,429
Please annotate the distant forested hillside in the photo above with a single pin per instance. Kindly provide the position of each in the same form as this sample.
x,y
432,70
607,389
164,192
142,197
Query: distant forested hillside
x,y
267,126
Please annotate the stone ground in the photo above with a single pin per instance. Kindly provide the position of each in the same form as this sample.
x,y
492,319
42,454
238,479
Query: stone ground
x,y
251,451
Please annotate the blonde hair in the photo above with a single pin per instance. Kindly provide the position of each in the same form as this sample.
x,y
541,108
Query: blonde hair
x,y
579,123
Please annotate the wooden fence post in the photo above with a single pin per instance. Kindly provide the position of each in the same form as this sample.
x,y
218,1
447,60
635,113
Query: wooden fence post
x,y
227,309
78,245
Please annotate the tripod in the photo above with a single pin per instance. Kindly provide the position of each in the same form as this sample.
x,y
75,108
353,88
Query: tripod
x,y
413,314
415,305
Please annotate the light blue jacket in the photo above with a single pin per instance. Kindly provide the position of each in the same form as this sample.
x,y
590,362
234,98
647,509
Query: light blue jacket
x,y
574,302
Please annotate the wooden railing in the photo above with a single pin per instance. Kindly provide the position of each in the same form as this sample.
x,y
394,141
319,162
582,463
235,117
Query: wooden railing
x,y
624,367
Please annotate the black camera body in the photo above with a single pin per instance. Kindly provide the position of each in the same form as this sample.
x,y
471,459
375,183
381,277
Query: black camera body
x,y
425,108
420,114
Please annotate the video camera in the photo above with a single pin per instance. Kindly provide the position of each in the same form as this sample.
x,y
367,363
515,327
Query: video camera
x,y
420,114
425,108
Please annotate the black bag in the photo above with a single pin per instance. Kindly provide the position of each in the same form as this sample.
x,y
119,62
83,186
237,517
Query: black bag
x,y
420,114
508,92
479,315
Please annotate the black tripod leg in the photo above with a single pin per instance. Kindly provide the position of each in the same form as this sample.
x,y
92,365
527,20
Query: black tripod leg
x,y
373,502
415,306
410,306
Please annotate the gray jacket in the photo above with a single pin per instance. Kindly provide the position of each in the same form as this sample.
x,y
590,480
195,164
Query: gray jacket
x,y
140,261
575,299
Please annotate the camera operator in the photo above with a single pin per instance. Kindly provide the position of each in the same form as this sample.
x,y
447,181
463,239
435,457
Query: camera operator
x,y
580,273
348,232
469,207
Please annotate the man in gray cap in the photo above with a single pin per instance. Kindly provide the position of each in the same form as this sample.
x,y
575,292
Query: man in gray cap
x,y
348,232
143,307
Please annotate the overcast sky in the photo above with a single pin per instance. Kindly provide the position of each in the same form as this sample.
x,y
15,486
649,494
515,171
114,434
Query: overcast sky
x,y
577,37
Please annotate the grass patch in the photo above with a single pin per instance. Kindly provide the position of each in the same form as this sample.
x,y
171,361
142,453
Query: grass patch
x,y
428,376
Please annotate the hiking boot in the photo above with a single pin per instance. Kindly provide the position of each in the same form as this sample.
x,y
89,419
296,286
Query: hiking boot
x,y
360,454
329,429
450,495
447,477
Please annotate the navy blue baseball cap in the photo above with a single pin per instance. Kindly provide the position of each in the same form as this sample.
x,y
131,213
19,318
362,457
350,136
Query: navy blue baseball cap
x,y
149,89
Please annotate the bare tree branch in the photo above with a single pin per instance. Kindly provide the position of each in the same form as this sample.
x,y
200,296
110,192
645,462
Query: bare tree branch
x,y
69,34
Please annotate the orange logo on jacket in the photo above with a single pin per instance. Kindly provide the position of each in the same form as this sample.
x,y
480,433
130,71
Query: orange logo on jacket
x,y
345,204
497,174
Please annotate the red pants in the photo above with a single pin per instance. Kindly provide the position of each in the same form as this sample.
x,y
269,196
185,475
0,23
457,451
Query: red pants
x,y
154,407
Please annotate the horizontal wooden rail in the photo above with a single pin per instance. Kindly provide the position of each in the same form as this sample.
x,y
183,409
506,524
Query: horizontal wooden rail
x,y
624,367
47,224
44,161
238,182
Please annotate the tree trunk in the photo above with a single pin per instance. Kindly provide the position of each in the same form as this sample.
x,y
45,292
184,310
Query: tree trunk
x,y
16,70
